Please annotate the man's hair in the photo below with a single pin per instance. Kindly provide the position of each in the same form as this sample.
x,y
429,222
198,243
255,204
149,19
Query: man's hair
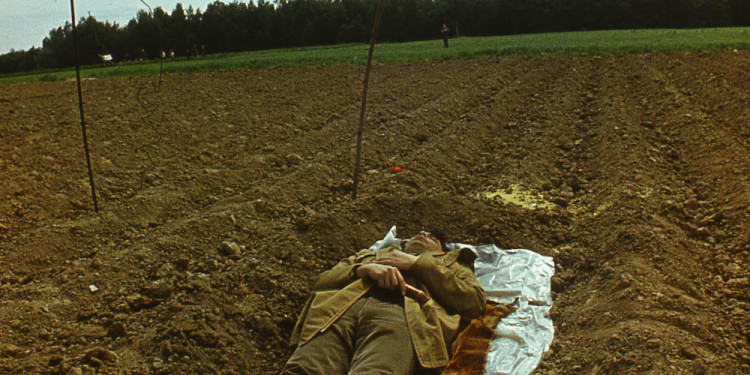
x,y
440,235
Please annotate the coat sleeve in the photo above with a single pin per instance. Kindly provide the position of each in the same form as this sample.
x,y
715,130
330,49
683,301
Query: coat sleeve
x,y
341,274
453,287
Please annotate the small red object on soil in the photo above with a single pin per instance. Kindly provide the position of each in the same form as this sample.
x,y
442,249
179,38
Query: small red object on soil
x,y
396,169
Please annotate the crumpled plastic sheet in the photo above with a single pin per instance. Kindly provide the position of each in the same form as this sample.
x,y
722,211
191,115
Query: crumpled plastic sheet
x,y
516,276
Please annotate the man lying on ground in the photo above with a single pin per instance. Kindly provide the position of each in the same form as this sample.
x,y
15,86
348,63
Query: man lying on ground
x,y
387,311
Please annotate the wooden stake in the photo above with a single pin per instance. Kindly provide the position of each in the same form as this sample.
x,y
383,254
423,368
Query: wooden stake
x,y
375,28
80,107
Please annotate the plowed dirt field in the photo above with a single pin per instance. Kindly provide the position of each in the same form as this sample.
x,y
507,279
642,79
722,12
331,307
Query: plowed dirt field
x,y
222,196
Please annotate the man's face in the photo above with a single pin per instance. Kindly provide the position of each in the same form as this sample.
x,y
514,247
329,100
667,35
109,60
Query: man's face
x,y
423,242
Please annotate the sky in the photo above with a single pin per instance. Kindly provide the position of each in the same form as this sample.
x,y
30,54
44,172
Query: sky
x,y
25,23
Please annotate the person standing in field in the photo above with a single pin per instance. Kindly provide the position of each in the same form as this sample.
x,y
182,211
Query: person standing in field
x,y
445,31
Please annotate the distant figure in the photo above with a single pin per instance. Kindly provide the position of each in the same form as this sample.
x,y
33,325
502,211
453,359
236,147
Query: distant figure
x,y
171,55
444,32
144,55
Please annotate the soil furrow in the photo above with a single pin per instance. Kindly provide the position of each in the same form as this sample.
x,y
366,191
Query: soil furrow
x,y
224,194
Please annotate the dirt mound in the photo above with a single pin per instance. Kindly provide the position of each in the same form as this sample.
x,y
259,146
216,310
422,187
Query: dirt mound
x,y
223,195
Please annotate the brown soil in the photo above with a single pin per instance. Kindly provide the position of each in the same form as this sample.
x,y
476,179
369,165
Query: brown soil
x,y
223,195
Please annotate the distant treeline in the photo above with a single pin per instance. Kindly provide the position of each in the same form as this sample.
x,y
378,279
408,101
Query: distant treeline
x,y
260,24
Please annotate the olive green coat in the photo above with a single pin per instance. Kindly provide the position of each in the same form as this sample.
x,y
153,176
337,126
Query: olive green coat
x,y
447,278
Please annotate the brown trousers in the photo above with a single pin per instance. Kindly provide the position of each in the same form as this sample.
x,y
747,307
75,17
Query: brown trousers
x,y
371,337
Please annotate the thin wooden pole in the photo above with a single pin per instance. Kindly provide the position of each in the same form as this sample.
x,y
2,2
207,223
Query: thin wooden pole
x,y
373,37
80,107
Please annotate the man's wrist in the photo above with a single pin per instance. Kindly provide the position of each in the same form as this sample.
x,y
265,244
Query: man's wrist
x,y
422,265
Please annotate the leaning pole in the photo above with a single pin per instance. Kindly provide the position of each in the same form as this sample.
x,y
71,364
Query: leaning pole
x,y
374,36
80,106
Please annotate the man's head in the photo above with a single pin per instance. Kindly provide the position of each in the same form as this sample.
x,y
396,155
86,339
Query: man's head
x,y
426,241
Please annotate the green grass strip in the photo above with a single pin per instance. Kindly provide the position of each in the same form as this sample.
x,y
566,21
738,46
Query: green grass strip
x,y
617,42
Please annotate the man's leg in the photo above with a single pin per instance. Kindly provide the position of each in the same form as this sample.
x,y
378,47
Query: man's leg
x,y
328,352
383,343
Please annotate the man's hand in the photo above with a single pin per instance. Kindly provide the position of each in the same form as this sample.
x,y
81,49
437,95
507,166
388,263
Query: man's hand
x,y
398,259
387,277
